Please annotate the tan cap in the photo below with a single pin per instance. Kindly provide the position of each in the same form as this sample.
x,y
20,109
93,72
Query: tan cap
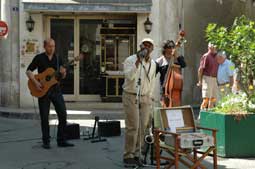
x,y
148,40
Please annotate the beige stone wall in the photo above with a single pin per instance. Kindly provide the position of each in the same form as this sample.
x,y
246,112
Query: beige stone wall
x,y
197,14
194,16
165,15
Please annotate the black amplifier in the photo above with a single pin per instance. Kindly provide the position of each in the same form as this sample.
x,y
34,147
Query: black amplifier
x,y
109,128
72,131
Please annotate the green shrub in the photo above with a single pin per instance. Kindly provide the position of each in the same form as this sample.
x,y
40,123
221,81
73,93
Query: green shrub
x,y
238,41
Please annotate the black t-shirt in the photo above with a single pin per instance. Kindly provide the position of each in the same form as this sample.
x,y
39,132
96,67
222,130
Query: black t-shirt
x,y
41,62
163,69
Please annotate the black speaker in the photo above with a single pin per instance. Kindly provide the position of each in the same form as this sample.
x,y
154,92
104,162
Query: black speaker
x,y
109,128
72,131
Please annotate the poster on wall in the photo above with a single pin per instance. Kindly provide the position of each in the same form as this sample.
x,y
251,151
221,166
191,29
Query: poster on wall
x,y
30,47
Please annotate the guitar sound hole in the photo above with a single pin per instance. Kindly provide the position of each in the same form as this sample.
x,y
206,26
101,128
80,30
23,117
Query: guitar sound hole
x,y
48,78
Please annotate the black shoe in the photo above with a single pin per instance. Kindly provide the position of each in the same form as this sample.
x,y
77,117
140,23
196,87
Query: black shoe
x,y
65,144
133,162
139,161
46,145
129,162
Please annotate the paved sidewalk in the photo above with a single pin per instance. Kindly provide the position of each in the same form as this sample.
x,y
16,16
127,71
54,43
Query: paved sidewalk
x,y
20,148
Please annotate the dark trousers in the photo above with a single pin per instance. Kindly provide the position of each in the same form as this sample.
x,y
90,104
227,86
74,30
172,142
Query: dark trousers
x,y
55,96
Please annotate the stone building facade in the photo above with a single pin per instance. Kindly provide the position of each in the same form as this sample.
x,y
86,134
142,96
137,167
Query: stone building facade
x,y
104,32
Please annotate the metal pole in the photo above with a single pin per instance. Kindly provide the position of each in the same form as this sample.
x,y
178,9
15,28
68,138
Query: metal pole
x,y
0,9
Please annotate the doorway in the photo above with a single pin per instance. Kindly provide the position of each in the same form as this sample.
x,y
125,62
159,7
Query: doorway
x,y
93,42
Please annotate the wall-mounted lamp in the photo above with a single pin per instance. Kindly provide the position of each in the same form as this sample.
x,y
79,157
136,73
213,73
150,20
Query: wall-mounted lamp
x,y
148,26
220,1
30,23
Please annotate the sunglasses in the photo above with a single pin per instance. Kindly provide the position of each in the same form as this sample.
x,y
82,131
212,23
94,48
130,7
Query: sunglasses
x,y
169,44
169,47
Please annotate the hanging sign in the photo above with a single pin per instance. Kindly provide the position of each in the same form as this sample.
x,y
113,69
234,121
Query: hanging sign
x,y
3,28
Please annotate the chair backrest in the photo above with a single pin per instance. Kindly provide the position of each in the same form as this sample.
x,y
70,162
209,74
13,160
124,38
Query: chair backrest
x,y
177,119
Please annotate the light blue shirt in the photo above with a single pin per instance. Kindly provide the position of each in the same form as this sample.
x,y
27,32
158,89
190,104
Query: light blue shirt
x,y
225,71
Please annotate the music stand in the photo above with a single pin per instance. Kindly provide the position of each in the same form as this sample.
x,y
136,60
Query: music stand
x,y
93,138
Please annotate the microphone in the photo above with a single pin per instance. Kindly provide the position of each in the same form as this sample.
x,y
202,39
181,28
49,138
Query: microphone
x,y
143,52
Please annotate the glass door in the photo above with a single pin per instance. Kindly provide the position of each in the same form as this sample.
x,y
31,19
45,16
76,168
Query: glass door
x,y
101,49
62,31
115,49
90,84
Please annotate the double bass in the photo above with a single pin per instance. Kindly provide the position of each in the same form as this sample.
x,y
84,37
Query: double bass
x,y
173,83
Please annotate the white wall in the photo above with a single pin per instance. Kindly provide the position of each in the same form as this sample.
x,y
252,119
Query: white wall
x,y
154,34
9,56
164,16
26,100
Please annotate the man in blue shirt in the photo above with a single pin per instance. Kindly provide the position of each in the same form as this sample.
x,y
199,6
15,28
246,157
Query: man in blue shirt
x,y
225,74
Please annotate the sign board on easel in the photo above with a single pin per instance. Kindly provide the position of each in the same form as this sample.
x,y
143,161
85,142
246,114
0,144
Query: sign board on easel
x,y
3,29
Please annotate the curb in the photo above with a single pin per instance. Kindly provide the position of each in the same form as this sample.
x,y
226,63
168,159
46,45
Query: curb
x,y
105,115
18,115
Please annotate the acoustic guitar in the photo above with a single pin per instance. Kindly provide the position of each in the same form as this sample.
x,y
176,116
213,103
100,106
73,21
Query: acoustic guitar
x,y
48,78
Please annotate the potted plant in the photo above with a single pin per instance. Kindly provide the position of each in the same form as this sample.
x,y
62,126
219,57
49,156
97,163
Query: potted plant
x,y
234,115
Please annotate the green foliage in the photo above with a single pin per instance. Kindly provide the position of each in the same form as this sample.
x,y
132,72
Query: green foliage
x,y
238,41
235,104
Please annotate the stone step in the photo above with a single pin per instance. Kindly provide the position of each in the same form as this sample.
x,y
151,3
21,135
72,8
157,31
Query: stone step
x,y
81,110
94,105
78,111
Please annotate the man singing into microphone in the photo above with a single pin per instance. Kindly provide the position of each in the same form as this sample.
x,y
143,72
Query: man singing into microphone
x,y
137,68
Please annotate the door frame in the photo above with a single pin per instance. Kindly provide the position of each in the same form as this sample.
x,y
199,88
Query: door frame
x,y
76,96
47,18
68,97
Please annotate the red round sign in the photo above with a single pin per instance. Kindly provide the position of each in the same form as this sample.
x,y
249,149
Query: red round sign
x,y
3,28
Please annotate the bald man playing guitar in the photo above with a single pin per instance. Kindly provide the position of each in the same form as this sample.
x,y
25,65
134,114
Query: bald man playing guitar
x,y
43,63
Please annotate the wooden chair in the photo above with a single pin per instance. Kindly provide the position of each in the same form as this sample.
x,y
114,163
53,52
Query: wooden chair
x,y
176,154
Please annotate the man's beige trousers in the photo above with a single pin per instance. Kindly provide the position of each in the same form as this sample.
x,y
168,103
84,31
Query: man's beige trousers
x,y
132,131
